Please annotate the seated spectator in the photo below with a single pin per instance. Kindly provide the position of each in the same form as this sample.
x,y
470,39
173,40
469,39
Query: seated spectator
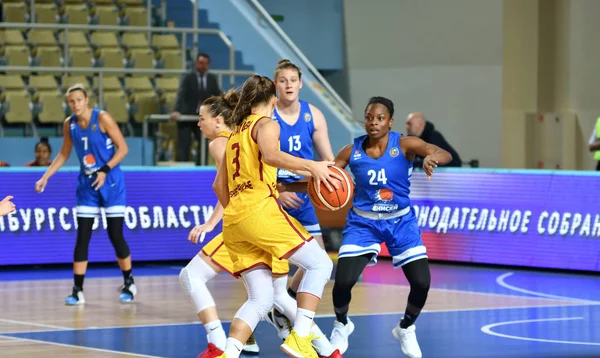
x,y
43,152
4,164
418,126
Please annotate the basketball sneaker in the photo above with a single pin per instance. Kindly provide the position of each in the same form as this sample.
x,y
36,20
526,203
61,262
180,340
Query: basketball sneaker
x,y
128,291
299,347
335,354
408,341
340,334
76,297
281,323
251,347
211,352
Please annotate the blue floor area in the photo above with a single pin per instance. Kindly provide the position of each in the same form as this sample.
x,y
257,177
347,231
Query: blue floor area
x,y
563,332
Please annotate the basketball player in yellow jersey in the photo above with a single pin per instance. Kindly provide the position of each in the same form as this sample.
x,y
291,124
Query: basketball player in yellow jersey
x,y
214,258
257,230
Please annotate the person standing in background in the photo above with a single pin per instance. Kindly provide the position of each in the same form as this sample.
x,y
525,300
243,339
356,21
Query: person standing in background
x,y
594,143
418,126
194,88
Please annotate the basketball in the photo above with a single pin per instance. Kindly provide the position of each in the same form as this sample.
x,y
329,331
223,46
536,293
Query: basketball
x,y
335,200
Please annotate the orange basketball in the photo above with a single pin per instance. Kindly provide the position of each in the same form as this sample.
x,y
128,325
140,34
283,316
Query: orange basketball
x,y
334,200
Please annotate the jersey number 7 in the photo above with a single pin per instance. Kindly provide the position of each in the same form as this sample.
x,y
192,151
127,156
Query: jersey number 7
x,y
236,160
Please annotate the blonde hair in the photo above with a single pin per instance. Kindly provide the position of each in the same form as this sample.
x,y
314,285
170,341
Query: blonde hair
x,y
77,87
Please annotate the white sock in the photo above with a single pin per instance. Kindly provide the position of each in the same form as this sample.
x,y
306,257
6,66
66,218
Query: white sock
x,y
324,348
233,348
216,334
304,320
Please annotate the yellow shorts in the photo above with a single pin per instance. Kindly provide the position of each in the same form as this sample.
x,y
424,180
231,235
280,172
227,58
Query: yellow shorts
x,y
218,253
264,238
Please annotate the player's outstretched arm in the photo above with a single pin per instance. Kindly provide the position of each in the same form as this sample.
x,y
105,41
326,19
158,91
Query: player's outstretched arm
x,y
266,133
433,154
217,148
113,131
61,158
341,161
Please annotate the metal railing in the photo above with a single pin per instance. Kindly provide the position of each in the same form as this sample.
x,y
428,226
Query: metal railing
x,y
263,13
149,29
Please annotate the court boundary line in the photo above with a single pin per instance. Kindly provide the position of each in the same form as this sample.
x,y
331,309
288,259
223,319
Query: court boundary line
x,y
220,282
24,323
326,315
500,280
487,329
77,346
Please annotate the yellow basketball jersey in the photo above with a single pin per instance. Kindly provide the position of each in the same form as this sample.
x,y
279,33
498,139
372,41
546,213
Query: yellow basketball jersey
x,y
250,181
224,134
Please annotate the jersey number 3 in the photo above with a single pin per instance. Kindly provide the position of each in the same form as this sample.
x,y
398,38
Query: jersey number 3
x,y
377,177
236,160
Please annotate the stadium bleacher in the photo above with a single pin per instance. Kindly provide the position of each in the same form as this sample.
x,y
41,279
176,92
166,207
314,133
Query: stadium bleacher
x,y
30,98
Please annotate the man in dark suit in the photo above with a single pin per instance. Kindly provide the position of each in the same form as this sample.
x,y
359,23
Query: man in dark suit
x,y
194,88
418,126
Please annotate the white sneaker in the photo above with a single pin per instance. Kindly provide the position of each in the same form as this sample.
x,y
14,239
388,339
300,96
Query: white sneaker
x,y
340,334
408,341
281,323
251,347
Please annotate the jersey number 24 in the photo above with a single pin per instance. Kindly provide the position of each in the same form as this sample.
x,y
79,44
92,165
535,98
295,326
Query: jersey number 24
x,y
377,177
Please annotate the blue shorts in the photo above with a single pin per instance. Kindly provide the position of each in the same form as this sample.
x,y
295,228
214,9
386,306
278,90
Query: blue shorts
x,y
306,215
111,196
401,235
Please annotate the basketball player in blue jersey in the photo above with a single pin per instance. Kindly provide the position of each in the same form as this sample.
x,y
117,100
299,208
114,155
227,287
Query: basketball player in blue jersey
x,y
100,147
381,163
302,128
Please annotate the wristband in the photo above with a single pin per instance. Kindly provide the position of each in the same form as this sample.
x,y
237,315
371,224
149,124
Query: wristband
x,y
104,169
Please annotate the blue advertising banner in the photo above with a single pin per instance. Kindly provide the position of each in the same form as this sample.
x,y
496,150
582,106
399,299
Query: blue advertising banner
x,y
163,204
546,219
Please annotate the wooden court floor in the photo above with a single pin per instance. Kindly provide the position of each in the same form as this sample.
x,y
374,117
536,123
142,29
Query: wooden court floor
x,y
33,310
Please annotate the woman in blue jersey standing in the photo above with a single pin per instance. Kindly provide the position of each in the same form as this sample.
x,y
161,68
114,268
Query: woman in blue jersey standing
x,y
303,130
381,162
100,147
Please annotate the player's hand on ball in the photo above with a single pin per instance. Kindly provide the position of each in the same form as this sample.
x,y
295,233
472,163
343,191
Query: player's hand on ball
x,y
290,200
7,206
198,233
321,174
428,165
40,185
99,182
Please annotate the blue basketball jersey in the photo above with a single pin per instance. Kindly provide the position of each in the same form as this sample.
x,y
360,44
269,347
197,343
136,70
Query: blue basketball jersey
x,y
296,139
94,148
383,184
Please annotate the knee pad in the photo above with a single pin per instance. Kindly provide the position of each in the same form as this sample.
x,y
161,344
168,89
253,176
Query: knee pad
x,y
256,308
317,269
193,280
